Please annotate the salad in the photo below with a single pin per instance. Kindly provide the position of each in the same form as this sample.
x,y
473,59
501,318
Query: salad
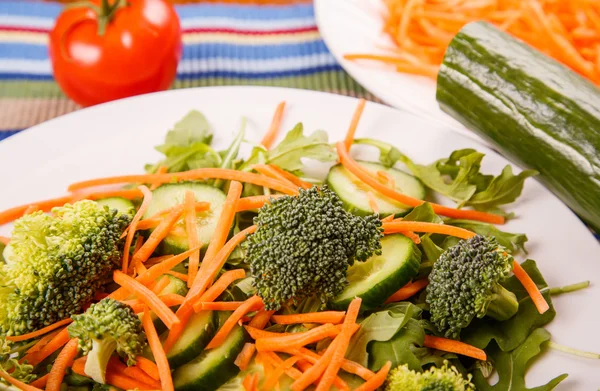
x,y
216,272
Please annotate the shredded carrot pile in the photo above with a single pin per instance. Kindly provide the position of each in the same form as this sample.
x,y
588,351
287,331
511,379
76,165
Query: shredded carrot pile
x,y
566,30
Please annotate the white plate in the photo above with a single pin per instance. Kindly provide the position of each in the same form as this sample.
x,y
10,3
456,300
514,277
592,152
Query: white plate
x,y
118,138
355,26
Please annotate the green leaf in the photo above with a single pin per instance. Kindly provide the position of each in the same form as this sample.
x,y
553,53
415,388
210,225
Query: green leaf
x,y
388,154
229,155
424,213
513,242
289,153
431,250
514,331
503,189
193,128
385,335
512,366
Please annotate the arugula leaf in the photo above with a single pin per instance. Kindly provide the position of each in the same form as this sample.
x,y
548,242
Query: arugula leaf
x,y
191,129
388,335
229,155
424,213
503,189
512,366
514,331
513,242
432,251
388,154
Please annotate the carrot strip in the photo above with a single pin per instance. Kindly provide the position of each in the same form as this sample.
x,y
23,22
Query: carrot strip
x,y
257,333
297,340
365,177
63,361
275,361
354,123
148,366
133,226
261,319
160,285
31,209
136,373
217,305
268,171
452,346
419,226
11,214
37,333
243,359
169,299
157,236
191,227
158,352
148,297
408,290
19,384
373,202
55,343
40,382
376,381
156,260
247,382
254,202
114,377
252,304
291,177
388,219
4,240
333,317
129,194
341,345
181,276
347,365
536,296
273,378
160,170
43,341
412,236
156,218
197,174
221,285
271,134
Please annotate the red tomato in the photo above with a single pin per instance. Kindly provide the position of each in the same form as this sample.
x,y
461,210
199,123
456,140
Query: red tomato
x,y
137,53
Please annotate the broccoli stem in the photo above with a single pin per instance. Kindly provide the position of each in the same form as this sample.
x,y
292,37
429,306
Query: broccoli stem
x,y
569,288
97,359
504,304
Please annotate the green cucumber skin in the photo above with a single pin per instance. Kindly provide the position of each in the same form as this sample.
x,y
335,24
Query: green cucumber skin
x,y
539,113
192,352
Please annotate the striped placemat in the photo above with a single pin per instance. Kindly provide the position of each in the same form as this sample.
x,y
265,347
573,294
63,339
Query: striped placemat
x,y
224,44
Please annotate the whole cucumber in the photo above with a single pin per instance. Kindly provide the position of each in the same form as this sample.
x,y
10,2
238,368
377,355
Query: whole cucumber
x,y
536,111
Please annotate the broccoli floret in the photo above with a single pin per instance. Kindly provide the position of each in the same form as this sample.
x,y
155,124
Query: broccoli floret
x,y
9,363
106,327
304,245
56,263
444,378
465,283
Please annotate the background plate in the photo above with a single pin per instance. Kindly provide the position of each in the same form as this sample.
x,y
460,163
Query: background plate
x,y
118,138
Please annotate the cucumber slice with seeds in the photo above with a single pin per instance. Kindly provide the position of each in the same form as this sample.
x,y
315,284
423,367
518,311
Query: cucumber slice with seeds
x,y
353,192
197,334
121,204
380,276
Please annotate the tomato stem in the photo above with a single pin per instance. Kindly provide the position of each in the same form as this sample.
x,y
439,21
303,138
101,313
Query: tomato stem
x,y
104,14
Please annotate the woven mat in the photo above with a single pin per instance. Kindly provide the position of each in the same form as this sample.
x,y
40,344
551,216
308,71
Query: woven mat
x,y
224,44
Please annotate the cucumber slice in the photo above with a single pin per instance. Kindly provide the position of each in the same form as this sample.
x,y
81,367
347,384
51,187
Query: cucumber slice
x,y
176,286
172,194
353,192
380,276
197,334
212,368
121,204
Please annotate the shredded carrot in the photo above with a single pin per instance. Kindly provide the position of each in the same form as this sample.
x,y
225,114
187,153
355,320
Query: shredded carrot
x,y
191,227
271,134
268,171
291,177
275,361
254,202
347,365
389,180
40,382
260,320
155,260
161,284
4,240
372,202
419,226
136,373
169,299
158,352
129,194
52,346
31,209
333,317
133,226
161,170
156,218
148,297
388,219
221,285
114,377
63,361
157,236
257,333
217,306
408,290
252,304
412,236
197,174
273,378
148,366
452,346
243,359
37,333
43,342
341,346
376,381
354,124
181,276
11,214
536,296
365,177
297,340
247,382
19,384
